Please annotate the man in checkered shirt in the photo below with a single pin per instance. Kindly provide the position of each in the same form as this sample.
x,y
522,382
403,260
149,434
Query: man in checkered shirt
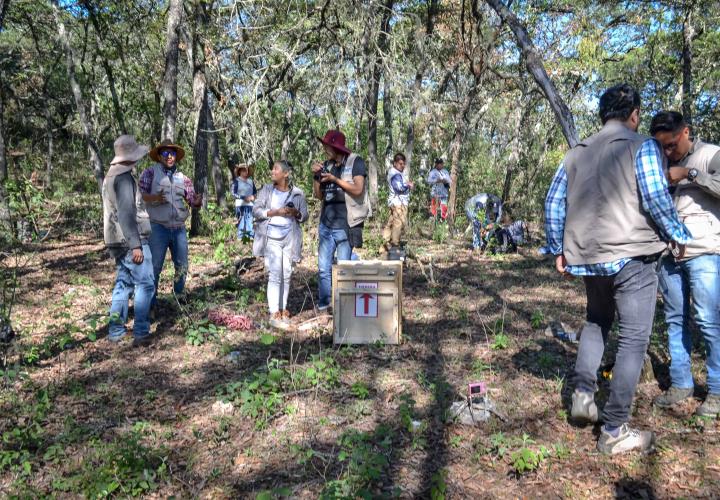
x,y
608,218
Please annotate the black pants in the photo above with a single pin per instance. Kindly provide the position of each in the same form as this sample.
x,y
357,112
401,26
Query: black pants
x,y
631,294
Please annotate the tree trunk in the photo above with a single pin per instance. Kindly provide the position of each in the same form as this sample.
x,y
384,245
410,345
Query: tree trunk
x,y
417,87
117,110
515,146
201,110
287,123
98,165
200,152
455,161
6,226
387,116
218,176
171,69
687,81
460,126
4,4
372,100
410,136
50,149
534,64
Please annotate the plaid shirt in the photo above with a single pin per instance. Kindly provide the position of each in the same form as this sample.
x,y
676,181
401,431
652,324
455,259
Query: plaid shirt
x,y
148,175
655,200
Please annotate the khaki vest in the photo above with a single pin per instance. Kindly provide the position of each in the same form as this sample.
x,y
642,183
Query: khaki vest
x,y
698,209
112,232
605,220
358,207
174,213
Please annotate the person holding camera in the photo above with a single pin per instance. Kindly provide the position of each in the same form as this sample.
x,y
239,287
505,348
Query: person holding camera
x,y
340,183
279,210
439,180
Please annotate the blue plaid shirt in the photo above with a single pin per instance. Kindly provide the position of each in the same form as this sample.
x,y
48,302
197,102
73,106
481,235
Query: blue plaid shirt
x,y
655,200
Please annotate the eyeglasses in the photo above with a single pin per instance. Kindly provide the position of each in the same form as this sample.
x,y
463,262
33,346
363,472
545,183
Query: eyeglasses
x,y
672,144
168,152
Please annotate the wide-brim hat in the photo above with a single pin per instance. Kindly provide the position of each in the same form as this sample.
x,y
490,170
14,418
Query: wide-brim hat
x,y
167,144
336,140
240,166
127,149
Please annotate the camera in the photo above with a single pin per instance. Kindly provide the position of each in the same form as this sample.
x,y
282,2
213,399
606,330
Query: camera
x,y
476,390
289,204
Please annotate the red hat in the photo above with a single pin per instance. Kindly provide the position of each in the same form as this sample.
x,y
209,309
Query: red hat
x,y
335,139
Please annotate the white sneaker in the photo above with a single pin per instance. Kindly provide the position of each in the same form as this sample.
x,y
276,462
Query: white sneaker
x,y
277,321
628,439
584,409
323,308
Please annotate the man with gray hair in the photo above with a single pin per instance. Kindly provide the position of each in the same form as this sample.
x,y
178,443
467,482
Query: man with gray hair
x,y
608,218
126,228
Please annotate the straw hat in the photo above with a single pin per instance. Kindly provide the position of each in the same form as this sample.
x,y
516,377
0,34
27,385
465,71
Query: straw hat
x,y
167,144
249,168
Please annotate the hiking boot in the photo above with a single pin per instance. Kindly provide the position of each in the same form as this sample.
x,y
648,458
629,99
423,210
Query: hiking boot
x,y
142,341
584,409
672,396
710,407
277,321
285,314
627,439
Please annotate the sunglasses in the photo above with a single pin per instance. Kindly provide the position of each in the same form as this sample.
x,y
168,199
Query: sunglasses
x,y
168,152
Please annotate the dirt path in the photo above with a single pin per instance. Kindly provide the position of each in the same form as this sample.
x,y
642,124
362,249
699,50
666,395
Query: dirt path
x,y
83,417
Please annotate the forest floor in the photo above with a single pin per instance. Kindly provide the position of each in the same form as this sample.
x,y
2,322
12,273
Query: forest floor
x,y
217,413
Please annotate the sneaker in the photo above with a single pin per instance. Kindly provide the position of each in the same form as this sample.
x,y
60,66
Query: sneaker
x,y
584,408
277,321
627,439
710,407
323,308
142,341
673,396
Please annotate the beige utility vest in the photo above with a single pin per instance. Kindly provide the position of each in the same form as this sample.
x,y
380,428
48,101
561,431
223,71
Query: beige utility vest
x,y
174,212
358,207
112,232
698,209
605,220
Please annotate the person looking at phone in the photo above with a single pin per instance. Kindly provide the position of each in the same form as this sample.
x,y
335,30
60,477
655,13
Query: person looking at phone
x,y
340,183
279,210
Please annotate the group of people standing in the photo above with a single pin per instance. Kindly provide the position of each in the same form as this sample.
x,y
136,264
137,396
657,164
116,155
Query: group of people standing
x,y
143,218
612,219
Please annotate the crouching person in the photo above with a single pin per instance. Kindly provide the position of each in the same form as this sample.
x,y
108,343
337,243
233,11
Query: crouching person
x,y
126,229
279,210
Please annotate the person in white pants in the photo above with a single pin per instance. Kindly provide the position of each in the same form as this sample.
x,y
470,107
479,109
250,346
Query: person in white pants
x,y
279,210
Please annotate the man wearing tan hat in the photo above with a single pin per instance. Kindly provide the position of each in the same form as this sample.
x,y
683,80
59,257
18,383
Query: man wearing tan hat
x,y
169,194
126,228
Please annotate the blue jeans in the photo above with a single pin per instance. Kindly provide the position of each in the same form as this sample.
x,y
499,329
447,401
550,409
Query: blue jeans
x,y
699,279
330,240
175,239
134,279
245,222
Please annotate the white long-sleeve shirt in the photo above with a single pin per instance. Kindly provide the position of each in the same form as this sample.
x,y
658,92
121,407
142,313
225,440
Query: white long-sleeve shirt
x,y
437,180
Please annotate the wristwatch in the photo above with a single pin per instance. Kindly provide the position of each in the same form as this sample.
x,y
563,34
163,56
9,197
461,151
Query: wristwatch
x,y
692,174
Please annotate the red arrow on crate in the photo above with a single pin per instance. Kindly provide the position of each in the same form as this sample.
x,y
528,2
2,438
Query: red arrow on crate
x,y
367,298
